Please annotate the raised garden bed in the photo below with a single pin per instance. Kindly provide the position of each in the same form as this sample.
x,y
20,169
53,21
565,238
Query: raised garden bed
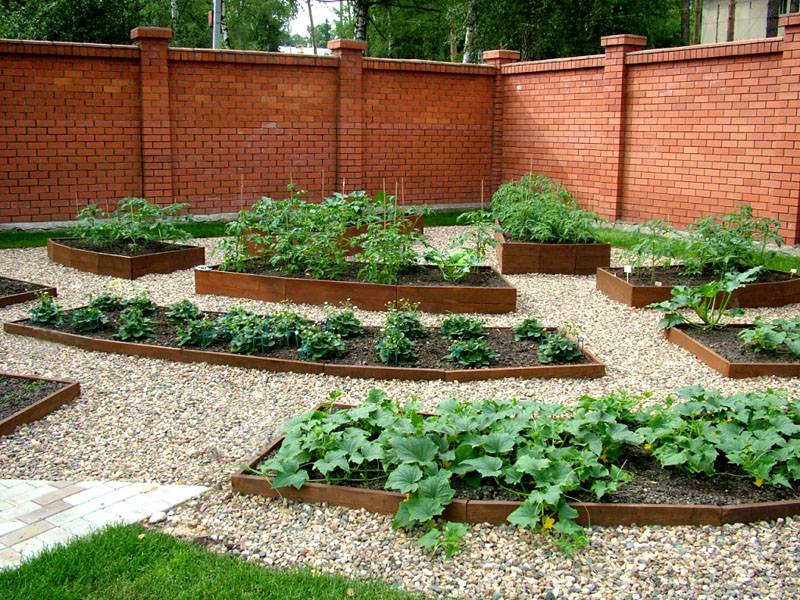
x,y
515,359
117,261
24,399
14,291
483,291
654,497
723,351
773,288
515,257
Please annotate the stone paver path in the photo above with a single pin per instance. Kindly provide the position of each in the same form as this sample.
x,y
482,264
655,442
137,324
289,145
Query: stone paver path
x,y
37,514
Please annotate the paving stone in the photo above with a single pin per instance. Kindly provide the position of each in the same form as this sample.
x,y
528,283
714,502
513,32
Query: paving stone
x,y
45,511
24,533
58,494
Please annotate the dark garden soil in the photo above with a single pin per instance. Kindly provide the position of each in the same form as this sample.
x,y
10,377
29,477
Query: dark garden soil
x,y
9,287
121,247
726,343
669,276
420,275
651,484
17,393
360,349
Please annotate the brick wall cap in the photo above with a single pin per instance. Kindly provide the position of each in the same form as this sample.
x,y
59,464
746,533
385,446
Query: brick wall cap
x,y
161,33
623,39
790,20
340,44
501,55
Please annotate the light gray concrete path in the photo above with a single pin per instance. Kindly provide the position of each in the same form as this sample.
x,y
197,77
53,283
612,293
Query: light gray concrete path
x,y
37,514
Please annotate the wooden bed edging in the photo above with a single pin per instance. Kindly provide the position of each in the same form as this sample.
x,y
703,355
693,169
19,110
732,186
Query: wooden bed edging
x,y
369,296
67,393
533,257
496,511
752,295
734,370
594,368
27,296
125,267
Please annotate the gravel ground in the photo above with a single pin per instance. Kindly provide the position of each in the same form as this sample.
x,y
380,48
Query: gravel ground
x,y
173,423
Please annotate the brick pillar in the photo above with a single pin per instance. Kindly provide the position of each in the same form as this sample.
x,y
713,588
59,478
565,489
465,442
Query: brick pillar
x,y
616,47
789,97
154,95
498,58
349,118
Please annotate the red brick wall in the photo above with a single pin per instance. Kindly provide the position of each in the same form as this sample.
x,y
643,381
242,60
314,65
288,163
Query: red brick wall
x,y
69,127
256,125
675,134
555,123
703,137
430,131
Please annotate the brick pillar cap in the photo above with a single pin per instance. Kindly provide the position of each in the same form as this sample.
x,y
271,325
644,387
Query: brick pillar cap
x,y
510,55
623,39
160,33
348,45
790,20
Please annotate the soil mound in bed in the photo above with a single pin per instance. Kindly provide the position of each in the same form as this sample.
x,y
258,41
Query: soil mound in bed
x,y
17,393
121,248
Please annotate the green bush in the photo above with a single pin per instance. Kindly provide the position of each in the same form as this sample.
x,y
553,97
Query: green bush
x,y
87,319
288,325
531,329
536,209
344,322
196,333
558,348
471,353
319,344
106,302
135,223
459,327
46,311
394,348
182,311
134,325
780,336
405,317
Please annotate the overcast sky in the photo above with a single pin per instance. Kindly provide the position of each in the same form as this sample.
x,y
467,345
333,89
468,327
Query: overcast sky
x,y
321,10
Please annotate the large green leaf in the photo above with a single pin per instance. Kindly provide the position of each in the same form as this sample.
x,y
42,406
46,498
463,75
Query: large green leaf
x,y
528,515
286,479
415,450
487,466
437,488
404,478
497,443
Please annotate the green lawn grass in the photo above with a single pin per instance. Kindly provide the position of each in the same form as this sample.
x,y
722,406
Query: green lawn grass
x,y
117,564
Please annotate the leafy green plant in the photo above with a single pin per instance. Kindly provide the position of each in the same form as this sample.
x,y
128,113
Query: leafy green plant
x,y
344,323
182,311
735,242
254,335
709,302
447,539
134,325
780,336
386,251
288,325
87,319
756,431
542,453
536,209
471,353
141,302
405,317
466,251
460,327
235,246
556,347
196,333
530,329
46,311
395,348
319,344
654,249
235,319
106,302
135,223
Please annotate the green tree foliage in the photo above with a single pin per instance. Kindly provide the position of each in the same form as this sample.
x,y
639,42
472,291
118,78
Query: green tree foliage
x,y
252,24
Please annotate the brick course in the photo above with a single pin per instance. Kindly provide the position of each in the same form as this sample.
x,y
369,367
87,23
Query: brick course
x,y
674,133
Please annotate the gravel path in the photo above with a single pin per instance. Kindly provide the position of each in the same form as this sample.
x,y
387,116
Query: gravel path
x,y
150,420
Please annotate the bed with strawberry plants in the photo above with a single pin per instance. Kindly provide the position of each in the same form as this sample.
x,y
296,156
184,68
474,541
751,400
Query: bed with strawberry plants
x,y
461,349
135,239
541,229
26,398
305,256
712,247
702,459
14,291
